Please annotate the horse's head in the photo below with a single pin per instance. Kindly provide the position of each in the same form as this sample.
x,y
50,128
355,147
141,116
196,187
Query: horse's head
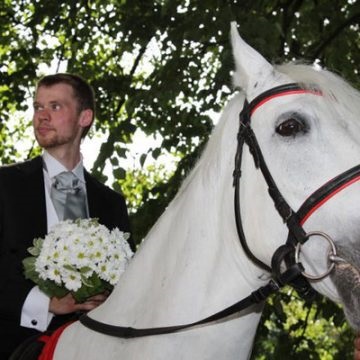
x,y
307,138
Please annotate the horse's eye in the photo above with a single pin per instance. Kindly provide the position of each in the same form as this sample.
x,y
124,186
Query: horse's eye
x,y
291,127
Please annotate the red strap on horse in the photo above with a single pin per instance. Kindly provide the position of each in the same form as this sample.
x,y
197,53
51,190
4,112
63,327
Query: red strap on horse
x,y
51,342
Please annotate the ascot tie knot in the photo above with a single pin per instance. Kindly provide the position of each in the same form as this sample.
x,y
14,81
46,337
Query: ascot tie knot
x,y
67,182
68,196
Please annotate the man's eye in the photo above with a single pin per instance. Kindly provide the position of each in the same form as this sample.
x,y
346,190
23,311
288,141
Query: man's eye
x,y
38,108
55,107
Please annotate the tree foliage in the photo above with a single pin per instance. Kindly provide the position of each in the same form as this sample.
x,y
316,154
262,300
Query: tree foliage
x,y
295,329
163,67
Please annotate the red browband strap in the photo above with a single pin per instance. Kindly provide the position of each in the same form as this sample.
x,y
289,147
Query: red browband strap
x,y
284,93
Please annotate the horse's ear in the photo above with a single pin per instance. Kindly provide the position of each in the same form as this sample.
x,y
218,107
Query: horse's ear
x,y
252,70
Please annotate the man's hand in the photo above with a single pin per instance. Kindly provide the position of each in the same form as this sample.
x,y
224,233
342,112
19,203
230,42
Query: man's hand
x,y
67,304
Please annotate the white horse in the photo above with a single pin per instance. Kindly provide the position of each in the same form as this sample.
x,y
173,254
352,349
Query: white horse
x,y
191,265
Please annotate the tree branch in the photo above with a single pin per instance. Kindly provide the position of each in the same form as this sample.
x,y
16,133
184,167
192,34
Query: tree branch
x,y
320,48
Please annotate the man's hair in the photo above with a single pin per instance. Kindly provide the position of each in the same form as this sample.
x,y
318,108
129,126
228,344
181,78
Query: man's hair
x,y
83,91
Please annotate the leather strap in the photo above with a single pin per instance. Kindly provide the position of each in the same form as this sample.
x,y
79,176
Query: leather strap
x,y
130,332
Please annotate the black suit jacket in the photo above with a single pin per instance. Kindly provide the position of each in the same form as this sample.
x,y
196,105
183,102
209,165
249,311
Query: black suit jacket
x,y
23,218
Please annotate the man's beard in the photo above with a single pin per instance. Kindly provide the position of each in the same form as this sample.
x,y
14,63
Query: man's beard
x,y
52,141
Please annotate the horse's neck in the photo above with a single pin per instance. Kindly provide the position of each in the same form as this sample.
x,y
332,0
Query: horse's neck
x,y
191,264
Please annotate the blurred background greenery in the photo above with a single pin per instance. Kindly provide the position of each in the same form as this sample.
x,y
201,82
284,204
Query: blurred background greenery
x,y
161,70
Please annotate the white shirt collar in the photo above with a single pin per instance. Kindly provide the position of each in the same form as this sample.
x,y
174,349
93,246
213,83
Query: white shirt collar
x,y
54,167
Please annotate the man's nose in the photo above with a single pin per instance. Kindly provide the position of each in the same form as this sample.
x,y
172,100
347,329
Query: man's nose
x,y
43,114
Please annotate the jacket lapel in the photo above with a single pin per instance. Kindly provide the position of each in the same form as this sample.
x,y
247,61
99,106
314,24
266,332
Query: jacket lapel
x,y
96,204
31,193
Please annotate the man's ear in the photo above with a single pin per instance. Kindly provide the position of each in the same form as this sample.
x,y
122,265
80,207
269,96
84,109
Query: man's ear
x,y
86,118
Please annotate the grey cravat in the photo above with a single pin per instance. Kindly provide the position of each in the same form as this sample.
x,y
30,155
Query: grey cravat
x,y
68,197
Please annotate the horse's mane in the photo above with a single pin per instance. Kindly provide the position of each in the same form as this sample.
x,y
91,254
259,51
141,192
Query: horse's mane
x,y
222,142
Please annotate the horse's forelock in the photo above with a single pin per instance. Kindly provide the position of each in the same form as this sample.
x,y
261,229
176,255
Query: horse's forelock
x,y
334,88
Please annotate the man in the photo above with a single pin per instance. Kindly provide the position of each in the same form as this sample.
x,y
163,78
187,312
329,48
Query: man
x,y
64,110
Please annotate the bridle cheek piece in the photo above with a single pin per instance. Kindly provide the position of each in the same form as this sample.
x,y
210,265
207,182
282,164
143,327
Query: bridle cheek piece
x,y
289,253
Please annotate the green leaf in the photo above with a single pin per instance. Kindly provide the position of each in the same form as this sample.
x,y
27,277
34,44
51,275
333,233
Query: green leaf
x,y
119,173
156,153
92,286
142,159
29,268
35,250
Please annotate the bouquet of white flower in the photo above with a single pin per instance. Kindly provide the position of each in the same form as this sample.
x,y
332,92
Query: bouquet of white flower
x,y
82,257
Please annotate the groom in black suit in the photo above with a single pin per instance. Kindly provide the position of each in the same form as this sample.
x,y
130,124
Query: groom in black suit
x,y
64,108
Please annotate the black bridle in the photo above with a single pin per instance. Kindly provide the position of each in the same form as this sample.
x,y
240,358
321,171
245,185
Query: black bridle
x,y
285,254
293,219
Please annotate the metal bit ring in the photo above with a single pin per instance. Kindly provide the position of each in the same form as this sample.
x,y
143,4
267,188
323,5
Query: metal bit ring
x,y
331,254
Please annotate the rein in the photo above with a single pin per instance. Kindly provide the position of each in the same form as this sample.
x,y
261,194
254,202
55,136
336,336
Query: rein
x,y
289,253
